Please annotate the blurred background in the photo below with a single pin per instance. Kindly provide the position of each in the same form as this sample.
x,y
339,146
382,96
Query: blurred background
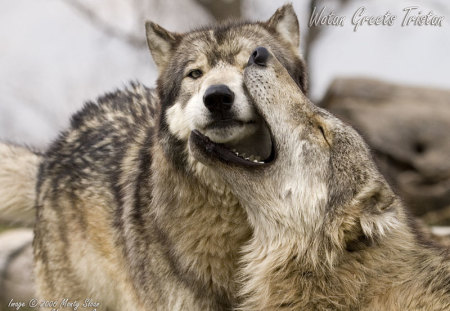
x,y
392,83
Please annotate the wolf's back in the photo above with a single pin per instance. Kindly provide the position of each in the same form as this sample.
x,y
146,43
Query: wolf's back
x,y
18,175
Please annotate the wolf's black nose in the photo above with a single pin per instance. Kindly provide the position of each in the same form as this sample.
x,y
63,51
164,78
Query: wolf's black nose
x,y
218,98
259,56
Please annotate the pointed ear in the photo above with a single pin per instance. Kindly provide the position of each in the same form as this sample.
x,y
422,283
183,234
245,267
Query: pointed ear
x,y
378,198
379,212
161,43
285,23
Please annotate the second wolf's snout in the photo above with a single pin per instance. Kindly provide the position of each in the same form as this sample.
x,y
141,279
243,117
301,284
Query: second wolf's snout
x,y
259,56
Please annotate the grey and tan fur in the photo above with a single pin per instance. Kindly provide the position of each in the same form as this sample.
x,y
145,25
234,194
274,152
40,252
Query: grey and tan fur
x,y
125,215
329,233
18,176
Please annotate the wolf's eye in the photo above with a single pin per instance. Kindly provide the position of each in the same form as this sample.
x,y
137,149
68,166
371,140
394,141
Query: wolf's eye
x,y
195,74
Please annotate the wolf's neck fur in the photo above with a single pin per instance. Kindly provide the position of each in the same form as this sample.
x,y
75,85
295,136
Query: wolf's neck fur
x,y
289,271
208,226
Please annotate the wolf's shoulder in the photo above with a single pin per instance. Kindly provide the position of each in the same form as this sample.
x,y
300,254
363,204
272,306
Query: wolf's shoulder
x,y
100,136
136,103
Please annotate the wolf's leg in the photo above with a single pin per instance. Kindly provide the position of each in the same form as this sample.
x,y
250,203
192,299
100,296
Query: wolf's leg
x,y
75,254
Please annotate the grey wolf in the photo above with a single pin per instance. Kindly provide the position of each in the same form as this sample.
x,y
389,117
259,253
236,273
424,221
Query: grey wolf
x,y
328,231
126,215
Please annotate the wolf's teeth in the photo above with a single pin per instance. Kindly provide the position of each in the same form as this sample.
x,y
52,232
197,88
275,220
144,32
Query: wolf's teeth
x,y
253,158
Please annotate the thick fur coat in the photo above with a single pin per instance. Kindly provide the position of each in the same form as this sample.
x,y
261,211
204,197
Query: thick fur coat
x,y
125,215
329,233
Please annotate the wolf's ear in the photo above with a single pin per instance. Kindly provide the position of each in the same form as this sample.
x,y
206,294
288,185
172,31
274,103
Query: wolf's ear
x,y
285,23
378,198
378,209
161,43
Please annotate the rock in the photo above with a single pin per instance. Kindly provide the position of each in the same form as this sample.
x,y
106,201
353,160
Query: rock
x,y
408,131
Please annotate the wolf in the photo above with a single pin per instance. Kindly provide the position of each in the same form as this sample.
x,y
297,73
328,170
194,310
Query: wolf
x,y
126,216
328,231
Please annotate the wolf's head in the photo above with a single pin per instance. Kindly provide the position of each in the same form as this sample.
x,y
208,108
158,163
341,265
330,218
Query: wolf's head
x,y
201,82
320,170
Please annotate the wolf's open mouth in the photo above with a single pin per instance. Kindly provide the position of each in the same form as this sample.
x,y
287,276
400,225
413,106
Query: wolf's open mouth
x,y
224,124
236,154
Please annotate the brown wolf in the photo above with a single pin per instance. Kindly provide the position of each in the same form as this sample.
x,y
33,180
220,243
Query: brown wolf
x,y
329,233
126,216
